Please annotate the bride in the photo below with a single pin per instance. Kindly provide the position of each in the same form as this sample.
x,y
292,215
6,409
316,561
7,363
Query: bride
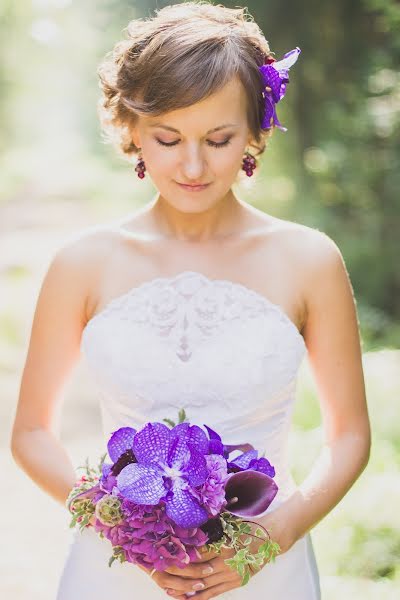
x,y
198,300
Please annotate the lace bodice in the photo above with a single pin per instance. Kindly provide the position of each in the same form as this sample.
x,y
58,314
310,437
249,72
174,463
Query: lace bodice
x,y
222,351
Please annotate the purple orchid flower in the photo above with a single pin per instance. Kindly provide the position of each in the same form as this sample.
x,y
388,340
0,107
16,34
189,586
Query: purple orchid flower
x,y
169,463
250,460
275,77
120,441
120,451
215,445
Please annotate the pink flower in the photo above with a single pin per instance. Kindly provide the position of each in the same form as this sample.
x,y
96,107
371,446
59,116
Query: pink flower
x,y
211,495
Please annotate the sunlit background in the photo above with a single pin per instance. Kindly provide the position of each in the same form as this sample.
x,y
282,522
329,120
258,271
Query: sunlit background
x,y
337,168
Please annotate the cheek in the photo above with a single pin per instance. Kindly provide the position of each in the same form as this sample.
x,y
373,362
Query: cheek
x,y
229,160
160,162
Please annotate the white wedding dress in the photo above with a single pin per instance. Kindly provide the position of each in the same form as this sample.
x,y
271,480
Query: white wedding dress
x,y
229,357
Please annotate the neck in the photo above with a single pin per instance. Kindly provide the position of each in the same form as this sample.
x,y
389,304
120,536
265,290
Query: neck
x,y
218,221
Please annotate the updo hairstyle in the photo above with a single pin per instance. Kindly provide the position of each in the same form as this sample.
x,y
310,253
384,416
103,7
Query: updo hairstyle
x,y
182,55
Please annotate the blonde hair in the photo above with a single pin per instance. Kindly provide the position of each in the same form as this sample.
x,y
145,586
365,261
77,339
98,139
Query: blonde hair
x,y
180,56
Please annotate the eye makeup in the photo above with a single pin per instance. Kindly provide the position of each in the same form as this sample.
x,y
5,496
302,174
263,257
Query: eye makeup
x,y
210,142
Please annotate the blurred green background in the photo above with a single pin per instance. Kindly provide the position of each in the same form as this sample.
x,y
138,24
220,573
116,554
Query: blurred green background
x,y
337,169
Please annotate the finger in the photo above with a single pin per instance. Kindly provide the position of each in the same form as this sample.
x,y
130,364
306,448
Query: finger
x,y
192,570
207,553
216,590
179,584
204,557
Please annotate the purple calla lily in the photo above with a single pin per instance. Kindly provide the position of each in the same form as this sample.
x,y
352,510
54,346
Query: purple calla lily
x,y
254,492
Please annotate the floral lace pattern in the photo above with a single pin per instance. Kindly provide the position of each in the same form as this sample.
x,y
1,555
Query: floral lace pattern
x,y
189,306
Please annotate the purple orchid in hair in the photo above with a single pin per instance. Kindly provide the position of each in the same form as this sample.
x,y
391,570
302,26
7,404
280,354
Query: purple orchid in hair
x,y
170,462
275,77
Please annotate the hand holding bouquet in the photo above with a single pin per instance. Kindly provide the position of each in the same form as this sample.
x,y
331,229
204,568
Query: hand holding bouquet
x,y
171,489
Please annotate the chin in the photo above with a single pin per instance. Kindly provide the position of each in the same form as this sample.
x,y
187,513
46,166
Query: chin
x,y
190,202
192,208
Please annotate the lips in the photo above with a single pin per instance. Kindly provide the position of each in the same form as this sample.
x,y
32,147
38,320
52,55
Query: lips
x,y
192,184
194,187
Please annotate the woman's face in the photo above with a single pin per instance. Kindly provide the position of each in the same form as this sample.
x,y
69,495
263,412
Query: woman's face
x,y
199,144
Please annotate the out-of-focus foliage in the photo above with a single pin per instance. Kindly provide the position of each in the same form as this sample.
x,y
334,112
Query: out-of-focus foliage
x,y
337,168
359,540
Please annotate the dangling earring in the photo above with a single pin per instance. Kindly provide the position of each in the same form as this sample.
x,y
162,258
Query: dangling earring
x,y
140,166
249,163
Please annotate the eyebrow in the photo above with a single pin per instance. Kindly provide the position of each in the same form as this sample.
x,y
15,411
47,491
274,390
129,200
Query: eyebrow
x,y
210,131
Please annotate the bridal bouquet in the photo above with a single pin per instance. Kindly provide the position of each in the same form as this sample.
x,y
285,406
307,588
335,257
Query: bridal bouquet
x,y
172,488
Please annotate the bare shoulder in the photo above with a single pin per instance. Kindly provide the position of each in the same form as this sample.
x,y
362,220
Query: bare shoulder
x,y
318,256
313,264
322,275
312,249
76,263
82,250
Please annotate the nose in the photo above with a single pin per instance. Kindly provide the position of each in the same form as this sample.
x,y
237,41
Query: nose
x,y
193,164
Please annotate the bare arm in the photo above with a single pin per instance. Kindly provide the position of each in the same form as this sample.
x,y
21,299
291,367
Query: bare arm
x,y
332,338
52,354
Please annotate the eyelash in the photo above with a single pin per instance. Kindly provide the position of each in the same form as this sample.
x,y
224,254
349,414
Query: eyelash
x,y
214,144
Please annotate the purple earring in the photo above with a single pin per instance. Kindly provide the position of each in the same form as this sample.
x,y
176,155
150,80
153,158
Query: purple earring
x,y
140,166
249,163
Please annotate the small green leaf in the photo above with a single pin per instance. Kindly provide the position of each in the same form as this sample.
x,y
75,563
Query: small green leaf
x,y
247,541
110,562
182,416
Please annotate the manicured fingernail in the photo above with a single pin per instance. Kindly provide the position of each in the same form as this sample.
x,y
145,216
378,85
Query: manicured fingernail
x,y
208,570
198,586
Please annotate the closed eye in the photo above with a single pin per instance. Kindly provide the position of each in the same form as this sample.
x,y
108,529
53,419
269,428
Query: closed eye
x,y
211,143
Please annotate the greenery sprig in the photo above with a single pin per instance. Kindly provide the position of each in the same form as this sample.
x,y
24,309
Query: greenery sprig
x,y
82,509
181,418
234,528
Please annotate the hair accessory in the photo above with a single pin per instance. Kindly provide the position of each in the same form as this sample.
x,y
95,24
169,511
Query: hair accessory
x,y
249,163
276,76
140,166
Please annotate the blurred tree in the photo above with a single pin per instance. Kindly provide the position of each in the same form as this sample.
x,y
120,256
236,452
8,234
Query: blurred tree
x,y
337,168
